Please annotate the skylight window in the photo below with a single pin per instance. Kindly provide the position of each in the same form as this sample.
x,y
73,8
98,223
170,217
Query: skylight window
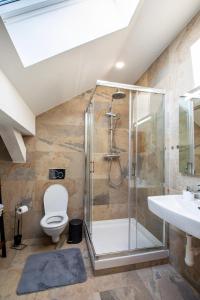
x,y
42,29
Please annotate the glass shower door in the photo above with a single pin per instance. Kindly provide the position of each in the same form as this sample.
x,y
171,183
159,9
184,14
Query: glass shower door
x,y
147,167
124,146
110,211
88,166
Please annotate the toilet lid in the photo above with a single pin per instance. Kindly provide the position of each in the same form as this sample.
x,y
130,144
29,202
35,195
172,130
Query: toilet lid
x,y
55,198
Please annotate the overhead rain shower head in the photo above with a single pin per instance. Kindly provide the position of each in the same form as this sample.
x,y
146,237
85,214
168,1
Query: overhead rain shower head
x,y
118,95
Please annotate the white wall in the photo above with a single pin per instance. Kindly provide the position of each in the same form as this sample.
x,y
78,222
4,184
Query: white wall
x,y
13,110
14,143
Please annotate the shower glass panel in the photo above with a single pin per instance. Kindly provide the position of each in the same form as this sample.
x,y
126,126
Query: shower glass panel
x,y
110,177
148,167
88,169
124,144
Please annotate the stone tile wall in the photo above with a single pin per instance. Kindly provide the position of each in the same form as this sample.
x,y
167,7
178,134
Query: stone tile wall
x,y
174,71
59,143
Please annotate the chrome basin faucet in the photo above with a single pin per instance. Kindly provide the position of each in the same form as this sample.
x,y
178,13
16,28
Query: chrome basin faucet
x,y
194,189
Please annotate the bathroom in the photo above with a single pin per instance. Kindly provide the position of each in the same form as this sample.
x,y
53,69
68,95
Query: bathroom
x,y
112,114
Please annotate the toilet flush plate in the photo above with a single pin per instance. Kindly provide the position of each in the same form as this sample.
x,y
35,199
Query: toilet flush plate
x,y
56,174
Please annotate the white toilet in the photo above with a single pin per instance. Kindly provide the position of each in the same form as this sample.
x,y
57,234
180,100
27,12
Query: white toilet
x,y
55,208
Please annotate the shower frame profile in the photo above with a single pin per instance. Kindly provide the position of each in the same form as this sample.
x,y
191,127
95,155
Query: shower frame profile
x,y
130,256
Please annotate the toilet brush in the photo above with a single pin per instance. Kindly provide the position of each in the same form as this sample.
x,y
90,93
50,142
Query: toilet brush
x,y
18,236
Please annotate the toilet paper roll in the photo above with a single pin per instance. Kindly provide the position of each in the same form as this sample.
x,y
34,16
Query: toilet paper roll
x,y
22,209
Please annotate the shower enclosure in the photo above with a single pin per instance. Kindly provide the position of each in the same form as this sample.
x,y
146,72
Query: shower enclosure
x,y
124,156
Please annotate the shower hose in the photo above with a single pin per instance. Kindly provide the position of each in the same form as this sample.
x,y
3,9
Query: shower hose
x,y
112,182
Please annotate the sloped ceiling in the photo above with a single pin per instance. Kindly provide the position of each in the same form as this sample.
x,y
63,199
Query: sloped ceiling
x,y
57,79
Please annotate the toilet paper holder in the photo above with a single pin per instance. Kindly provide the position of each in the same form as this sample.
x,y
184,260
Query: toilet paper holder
x,y
20,209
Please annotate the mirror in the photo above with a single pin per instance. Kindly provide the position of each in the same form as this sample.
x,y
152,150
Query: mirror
x,y
189,133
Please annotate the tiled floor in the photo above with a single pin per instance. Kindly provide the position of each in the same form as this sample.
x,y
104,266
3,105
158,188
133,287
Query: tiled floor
x,y
160,282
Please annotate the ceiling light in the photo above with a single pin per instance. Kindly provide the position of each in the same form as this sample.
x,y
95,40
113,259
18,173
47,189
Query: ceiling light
x,y
119,64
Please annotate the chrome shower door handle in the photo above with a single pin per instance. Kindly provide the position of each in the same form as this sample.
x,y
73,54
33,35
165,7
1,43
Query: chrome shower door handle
x,y
189,168
133,169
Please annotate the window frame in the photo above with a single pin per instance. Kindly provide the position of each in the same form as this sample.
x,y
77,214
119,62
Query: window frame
x,y
4,2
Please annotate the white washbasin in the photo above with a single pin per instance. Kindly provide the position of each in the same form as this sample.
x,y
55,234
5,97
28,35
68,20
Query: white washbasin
x,y
184,214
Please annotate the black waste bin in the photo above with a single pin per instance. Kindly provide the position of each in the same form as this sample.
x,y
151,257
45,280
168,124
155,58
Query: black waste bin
x,y
75,231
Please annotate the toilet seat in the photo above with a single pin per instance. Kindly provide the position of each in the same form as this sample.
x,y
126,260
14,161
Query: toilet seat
x,y
54,220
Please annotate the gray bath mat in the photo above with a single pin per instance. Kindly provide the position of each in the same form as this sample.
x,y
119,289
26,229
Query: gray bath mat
x,y
52,269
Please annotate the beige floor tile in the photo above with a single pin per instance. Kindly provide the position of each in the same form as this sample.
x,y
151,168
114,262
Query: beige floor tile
x,y
157,283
